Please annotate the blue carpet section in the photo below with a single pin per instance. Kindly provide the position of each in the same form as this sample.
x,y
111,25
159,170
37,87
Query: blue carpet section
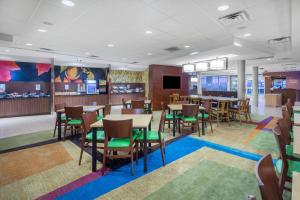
x,y
121,176
174,151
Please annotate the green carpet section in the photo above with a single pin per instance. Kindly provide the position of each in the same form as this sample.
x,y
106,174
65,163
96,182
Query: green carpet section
x,y
210,181
265,141
258,118
26,139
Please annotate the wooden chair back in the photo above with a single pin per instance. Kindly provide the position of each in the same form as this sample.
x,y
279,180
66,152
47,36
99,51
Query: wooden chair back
x,y
74,112
138,104
243,107
163,106
223,106
267,179
59,106
124,103
207,106
117,128
289,106
285,127
107,110
282,152
88,119
174,98
132,111
196,101
184,98
161,124
190,110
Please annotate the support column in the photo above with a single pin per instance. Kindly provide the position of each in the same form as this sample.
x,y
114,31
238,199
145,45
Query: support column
x,y
228,83
255,86
241,68
52,88
199,84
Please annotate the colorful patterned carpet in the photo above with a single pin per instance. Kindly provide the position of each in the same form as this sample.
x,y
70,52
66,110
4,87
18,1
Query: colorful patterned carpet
x,y
219,164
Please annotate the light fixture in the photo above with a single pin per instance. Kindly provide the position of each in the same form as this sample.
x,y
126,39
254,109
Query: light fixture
x,y
269,59
148,32
28,44
194,79
187,46
110,45
237,44
201,67
42,30
149,54
188,68
7,50
68,3
194,53
223,8
218,64
247,34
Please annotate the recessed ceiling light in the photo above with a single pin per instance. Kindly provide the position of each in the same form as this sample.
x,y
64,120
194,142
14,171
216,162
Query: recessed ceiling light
x,y
247,34
148,32
194,53
68,3
42,30
237,44
28,44
87,53
223,8
149,54
110,45
269,59
7,50
187,46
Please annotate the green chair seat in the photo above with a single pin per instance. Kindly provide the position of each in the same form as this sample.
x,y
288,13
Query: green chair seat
x,y
289,150
99,117
189,119
292,119
170,116
151,135
63,118
136,131
100,135
120,142
294,166
75,122
205,116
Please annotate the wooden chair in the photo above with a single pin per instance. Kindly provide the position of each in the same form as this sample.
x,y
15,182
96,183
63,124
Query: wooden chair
x,y
87,135
118,137
168,117
267,179
106,111
63,117
124,103
174,98
241,110
132,111
138,104
248,108
221,112
73,119
185,98
196,101
189,117
207,114
154,137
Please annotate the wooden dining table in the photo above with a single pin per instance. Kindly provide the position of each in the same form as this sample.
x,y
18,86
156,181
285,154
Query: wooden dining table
x,y
178,107
85,109
139,121
147,102
296,186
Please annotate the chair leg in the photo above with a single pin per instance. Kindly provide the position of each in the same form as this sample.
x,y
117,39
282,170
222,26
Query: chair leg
x,y
56,123
249,117
104,159
65,130
136,152
81,152
211,127
162,152
198,127
132,162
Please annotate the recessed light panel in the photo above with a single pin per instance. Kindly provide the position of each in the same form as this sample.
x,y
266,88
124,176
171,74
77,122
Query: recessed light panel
x,y
223,8
68,3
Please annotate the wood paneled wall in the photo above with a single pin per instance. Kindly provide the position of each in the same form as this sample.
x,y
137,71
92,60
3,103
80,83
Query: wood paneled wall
x,y
74,100
25,106
156,91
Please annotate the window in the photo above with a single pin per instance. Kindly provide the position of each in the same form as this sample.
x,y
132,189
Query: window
x,y
234,83
214,83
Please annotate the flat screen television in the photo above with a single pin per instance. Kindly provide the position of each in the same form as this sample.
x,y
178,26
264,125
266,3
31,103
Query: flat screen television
x,y
171,82
279,83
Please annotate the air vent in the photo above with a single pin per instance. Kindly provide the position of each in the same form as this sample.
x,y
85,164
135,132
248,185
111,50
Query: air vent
x,y
46,49
281,44
6,37
93,56
135,62
262,58
281,40
234,18
172,49
285,58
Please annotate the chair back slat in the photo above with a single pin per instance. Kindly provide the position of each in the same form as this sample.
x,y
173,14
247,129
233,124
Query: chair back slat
x,y
118,128
132,111
267,179
88,119
74,112
190,110
138,104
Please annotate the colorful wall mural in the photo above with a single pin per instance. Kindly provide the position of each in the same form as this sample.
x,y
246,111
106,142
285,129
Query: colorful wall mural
x,y
72,74
24,71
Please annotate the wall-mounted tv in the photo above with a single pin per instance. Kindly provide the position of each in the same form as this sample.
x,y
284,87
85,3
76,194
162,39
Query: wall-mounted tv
x,y
279,83
171,82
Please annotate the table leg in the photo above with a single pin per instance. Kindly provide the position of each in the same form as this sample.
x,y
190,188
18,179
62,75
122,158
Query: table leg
x,y
150,108
58,115
174,122
203,124
149,127
94,150
145,150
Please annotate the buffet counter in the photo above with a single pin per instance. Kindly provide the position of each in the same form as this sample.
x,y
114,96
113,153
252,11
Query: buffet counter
x,y
116,99
21,106
81,99
273,100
